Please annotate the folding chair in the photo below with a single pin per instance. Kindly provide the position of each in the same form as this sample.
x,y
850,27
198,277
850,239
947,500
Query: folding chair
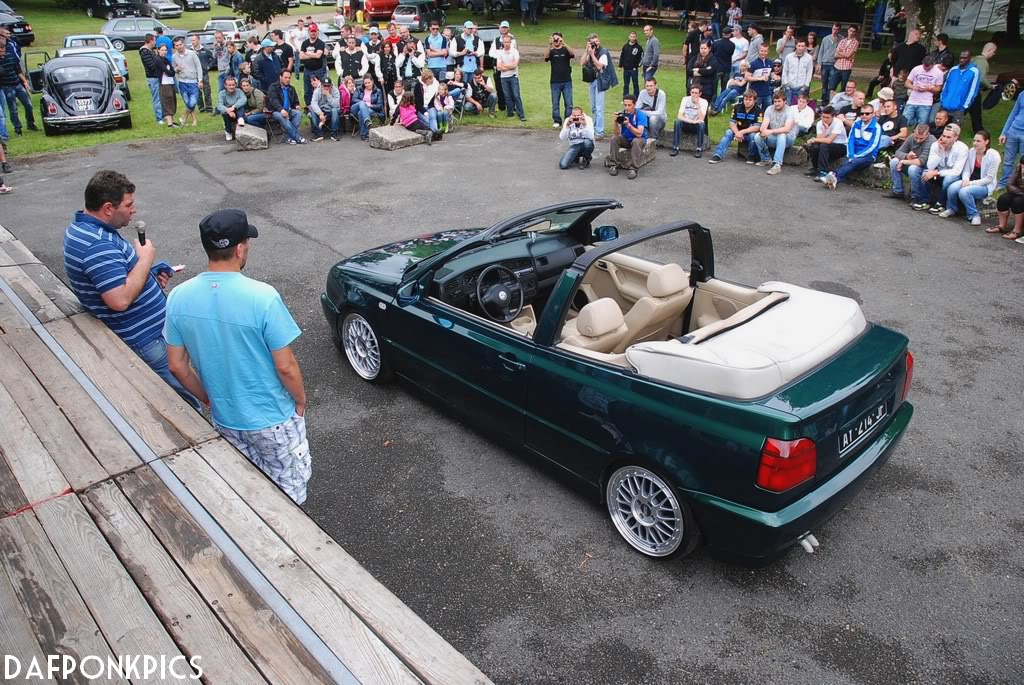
x,y
455,120
275,132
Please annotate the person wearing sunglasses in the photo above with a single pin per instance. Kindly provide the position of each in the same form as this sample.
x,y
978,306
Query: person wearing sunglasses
x,y
862,146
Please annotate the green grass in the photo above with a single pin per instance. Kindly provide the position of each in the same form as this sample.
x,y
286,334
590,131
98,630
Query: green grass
x,y
51,24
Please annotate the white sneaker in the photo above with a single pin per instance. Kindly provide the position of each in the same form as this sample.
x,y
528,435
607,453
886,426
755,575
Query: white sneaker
x,y
228,136
946,213
776,169
831,181
555,126
241,121
976,221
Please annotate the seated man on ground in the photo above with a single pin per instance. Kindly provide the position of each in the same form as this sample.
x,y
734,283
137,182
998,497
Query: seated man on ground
x,y
945,165
324,108
778,129
911,159
734,88
482,95
803,113
744,125
828,144
844,98
578,129
652,101
691,118
894,128
940,123
284,104
231,106
850,114
862,144
630,132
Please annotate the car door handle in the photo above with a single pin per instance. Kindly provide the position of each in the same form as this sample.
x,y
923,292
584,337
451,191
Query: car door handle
x,y
511,363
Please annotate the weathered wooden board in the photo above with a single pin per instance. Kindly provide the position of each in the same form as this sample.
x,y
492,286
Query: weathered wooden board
x,y
369,659
189,619
17,637
36,472
10,318
164,399
30,293
11,497
121,612
5,235
60,619
268,642
57,435
425,652
54,288
99,435
132,403
14,253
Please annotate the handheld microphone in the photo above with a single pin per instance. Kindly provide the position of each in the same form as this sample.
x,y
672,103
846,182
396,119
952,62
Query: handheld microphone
x,y
140,226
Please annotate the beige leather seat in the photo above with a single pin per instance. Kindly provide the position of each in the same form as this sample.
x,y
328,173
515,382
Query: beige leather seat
x,y
652,316
598,328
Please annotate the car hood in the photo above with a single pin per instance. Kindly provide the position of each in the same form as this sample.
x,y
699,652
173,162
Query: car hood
x,y
393,259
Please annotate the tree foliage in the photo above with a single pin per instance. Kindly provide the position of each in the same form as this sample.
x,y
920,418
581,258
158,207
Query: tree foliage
x,y
260,11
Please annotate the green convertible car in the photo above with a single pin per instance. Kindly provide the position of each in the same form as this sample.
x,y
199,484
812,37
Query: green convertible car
x,y
701,409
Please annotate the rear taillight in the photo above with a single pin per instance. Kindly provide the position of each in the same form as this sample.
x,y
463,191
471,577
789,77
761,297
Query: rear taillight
x,y
51,108
117,104
909,377
416,18
28,27
786,463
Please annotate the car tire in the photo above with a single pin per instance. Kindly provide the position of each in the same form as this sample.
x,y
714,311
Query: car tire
x,y
118,45
126,122
49,130
648,512
361,347
110,15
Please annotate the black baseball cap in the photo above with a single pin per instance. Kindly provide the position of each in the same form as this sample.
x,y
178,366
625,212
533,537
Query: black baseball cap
x,y
225,228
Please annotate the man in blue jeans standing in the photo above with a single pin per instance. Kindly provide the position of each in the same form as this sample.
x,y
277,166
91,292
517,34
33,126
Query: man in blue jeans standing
x,y
148,56
116,280
311,57
1012,140
560,57
14,86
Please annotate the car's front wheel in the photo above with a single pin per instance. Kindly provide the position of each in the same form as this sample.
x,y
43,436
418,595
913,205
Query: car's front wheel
x,y
362,348
649,514
119,45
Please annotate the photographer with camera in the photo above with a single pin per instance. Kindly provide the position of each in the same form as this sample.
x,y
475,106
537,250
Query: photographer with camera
x,y
599,72
409,64
630,132
560,56
578,129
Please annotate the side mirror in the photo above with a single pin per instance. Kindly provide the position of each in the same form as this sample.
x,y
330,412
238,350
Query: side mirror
x,y
604,234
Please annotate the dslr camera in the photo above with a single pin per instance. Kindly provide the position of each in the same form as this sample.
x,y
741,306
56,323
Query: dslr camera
x,y
620,118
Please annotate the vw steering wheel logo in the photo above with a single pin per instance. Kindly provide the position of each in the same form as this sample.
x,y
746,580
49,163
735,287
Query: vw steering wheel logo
x,y
502,296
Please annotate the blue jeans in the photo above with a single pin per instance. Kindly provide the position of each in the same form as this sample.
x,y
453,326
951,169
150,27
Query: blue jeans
x,y
649,73
1014,146
791,95
826,83
627,76
917,114
258,119
333,121
922,190
578,148
853,165
3,121
437,119
918,192
781,142
439,74
563,92
363,113
726,98
513,100
839,78
231,122
154,93
290,124
13,95
154,353
597,107
189,94
680,127
726,141
897,176
307,87
492,102
716,30
764,102
969,196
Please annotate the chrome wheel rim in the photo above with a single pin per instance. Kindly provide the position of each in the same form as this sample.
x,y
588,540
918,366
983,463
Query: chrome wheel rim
x,y
645,511
361,347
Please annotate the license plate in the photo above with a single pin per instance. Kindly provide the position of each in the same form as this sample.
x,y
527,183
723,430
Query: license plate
x,y
83,105
859,432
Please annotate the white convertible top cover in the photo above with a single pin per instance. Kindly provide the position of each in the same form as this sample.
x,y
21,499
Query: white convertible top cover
x,y
761,355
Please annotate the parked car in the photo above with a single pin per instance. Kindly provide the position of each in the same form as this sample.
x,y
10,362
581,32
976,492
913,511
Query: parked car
x,y
97,40
234,29
193,5
19,28
233,4
158,9
380,9
699,409
417,15
78,93
319,2
110,9
105,56
477,6
130,32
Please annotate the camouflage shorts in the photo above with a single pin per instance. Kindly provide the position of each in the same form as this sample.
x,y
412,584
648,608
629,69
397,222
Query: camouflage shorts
x,y
280,451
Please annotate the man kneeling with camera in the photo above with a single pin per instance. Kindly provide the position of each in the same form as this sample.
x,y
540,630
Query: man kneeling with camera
x,y
578,129
630,132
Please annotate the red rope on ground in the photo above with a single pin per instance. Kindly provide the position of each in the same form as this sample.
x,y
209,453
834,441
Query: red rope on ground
x,y
29,507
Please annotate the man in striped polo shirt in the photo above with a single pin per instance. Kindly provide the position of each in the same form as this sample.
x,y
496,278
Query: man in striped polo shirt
x,y
115,279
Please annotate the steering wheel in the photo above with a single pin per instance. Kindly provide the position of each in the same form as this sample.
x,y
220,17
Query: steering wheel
x,y
499,296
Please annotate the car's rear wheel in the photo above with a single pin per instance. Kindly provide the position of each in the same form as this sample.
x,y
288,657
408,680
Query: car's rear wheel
x,y
110,15
649,514
49,130
362,349
126,122
118,45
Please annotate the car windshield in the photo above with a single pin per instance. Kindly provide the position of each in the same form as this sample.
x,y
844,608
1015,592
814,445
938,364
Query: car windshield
x,y
75,74
551,223
418,249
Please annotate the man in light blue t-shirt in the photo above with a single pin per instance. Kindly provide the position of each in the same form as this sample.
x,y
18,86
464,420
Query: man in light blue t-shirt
x,y
229,343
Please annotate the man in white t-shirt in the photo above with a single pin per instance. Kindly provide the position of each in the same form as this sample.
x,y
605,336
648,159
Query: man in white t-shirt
x,y
295,38
692,117
778,129
740,53
828,144
802,113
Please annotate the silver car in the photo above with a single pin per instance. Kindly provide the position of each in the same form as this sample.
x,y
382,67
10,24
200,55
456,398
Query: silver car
x,y
158,9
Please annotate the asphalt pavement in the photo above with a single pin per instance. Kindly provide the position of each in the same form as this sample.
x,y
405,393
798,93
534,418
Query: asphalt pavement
x,y
919,580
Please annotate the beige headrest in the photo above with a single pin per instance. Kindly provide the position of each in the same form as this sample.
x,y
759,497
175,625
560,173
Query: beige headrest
x,y
667,279
599,317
